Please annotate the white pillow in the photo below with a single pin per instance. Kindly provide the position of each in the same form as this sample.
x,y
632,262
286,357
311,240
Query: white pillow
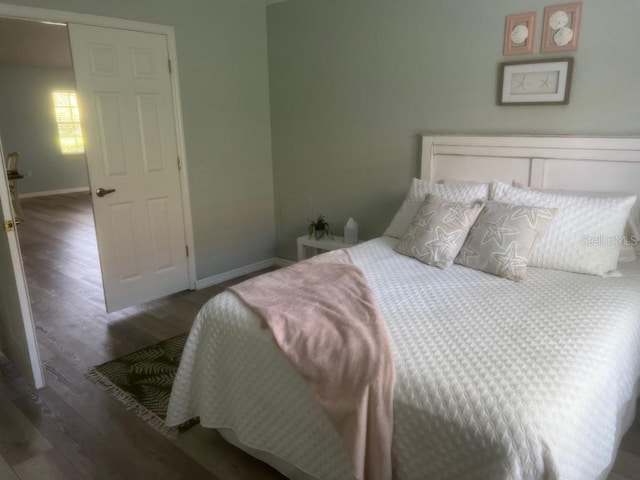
x,y
455,181
585,235
627,254
632,230
462,193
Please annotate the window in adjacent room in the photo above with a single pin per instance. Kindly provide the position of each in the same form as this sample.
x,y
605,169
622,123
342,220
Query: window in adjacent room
x,y
68,119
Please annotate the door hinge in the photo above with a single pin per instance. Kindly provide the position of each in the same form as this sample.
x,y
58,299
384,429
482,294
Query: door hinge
x,y
169,61
179,163
186,247
9,226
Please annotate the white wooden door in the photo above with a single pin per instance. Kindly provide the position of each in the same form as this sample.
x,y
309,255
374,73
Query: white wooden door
x,y
126,110
17,330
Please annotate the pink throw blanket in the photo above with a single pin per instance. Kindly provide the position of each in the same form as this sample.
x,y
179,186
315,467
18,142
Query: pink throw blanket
x,y
324,317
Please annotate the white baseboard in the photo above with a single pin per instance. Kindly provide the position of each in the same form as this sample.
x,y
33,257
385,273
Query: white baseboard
x,y
283,262
53,192
236,272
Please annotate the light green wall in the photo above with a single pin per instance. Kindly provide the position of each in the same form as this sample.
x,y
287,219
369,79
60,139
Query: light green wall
x,y
225,103
352,85
354,82
28,126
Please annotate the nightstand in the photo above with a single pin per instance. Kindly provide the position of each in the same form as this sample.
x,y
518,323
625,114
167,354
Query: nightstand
x,y
324,244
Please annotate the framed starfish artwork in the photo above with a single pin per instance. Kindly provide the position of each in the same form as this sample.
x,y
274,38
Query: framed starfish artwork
x,y
536,82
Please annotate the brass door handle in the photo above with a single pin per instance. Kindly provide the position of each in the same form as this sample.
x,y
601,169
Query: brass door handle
x,y
101,192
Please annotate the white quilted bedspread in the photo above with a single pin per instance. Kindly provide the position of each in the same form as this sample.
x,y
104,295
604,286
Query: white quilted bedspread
x,y
494,379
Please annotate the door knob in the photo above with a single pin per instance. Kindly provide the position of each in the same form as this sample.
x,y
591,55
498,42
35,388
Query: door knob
x,y
101,192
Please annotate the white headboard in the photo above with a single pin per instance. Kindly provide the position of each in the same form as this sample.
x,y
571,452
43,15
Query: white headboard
x,y
559,162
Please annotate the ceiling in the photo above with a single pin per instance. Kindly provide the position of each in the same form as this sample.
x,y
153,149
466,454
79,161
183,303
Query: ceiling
x,y
25,43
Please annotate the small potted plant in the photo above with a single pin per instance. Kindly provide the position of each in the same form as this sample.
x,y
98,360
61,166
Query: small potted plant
x,y
319,228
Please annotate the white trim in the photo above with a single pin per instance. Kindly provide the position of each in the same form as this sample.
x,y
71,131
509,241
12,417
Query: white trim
x,y
426,157
585,154
235,273
182,152
34,13
283,262
538,171
64,16
61,191
612,149
550,141
538,150
606,164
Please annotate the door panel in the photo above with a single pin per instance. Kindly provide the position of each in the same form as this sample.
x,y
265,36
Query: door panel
x,y
142,60
126,108
158,212
123,224
109,111
150,128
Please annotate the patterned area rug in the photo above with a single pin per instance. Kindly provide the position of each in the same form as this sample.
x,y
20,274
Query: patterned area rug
x,y
142,381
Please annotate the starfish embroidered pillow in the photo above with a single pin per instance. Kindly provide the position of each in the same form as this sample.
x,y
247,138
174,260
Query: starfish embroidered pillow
x,y
438,230
501,239
458,192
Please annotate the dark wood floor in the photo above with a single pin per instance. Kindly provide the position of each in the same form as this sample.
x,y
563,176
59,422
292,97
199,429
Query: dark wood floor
x,y
72,429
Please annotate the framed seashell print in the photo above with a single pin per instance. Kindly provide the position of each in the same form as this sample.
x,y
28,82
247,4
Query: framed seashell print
x,y
561,27
519,32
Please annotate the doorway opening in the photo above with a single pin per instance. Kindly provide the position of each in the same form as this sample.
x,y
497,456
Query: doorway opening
x,y
81,308
57,232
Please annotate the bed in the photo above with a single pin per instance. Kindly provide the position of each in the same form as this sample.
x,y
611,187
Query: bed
x,y
494,379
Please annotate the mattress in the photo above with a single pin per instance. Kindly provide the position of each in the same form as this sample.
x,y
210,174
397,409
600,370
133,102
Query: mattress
x,y
494,379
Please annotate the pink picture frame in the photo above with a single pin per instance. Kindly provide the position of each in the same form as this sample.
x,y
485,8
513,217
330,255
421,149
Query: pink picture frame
x,y
519,33
561,27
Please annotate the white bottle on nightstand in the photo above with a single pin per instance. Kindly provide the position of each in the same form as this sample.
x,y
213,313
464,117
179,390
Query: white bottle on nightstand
x,y
351,232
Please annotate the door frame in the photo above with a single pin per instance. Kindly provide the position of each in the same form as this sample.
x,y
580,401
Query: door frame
x,y
62,16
